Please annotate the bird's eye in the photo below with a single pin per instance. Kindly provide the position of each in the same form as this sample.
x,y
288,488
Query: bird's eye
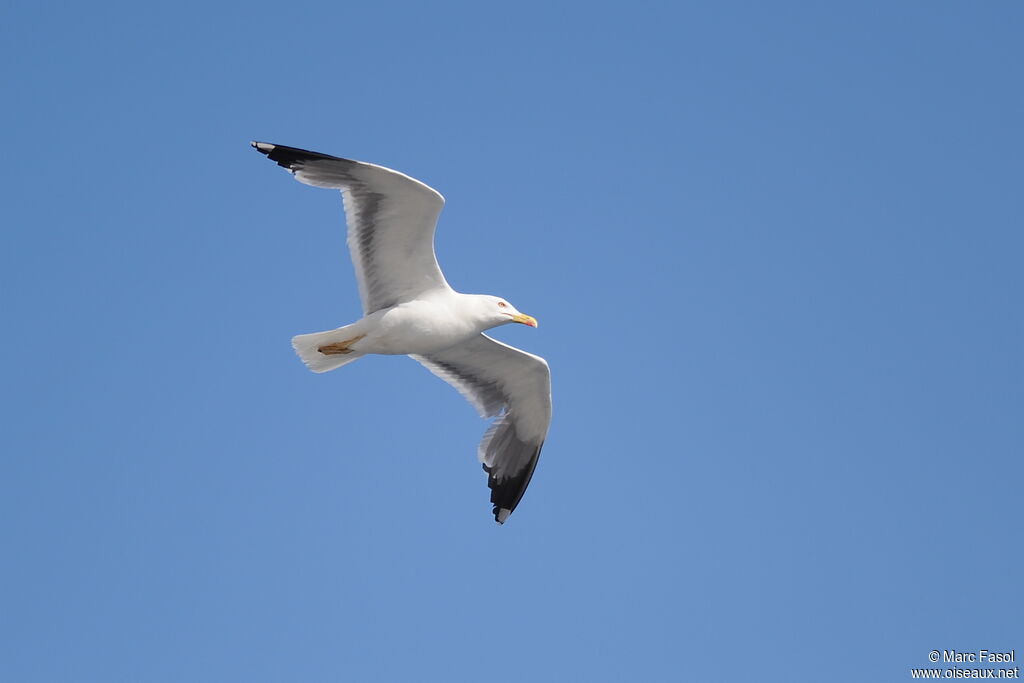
x,y
502,304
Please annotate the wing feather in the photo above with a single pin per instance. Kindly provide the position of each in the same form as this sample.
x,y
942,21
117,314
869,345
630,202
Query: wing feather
x,y
391,222
514,386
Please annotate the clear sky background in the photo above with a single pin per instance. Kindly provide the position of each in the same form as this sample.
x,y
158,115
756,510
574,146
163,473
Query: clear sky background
x,y
776,254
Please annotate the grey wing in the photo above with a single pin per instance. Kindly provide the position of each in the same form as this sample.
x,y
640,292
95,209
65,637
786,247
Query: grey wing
x,y
391,222
514,386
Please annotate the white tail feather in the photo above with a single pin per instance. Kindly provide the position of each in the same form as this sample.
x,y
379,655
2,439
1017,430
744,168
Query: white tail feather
x,y
307,345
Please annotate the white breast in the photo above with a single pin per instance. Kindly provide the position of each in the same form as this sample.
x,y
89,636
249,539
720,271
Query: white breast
x,y
416,327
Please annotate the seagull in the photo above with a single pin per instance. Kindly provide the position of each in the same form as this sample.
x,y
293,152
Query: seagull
x,y
410,309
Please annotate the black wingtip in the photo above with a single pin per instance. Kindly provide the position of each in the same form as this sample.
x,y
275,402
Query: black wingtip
x,y
506,494
291,157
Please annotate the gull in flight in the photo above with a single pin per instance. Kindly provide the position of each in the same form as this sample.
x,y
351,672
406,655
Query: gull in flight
x,y
409,309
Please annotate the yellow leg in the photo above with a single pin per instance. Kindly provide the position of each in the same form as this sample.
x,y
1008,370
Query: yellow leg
x,y
339,347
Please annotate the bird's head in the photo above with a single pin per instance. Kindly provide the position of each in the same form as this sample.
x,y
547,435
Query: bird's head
x,y
496,311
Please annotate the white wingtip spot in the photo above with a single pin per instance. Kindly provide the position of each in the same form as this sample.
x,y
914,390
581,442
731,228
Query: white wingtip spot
x,y
264,147
503,514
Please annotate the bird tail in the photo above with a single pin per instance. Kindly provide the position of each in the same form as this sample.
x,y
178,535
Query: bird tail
x,y
323,351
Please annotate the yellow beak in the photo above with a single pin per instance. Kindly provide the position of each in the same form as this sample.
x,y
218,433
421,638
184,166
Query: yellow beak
x,y
525,319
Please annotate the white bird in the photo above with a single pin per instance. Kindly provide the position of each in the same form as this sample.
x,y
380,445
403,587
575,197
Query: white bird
x,y
409,309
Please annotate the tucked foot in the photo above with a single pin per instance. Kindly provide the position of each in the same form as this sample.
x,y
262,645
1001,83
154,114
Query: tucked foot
x,y
339,347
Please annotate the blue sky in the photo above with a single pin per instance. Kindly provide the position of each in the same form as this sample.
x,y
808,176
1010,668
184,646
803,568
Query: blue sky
x,y
775,253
